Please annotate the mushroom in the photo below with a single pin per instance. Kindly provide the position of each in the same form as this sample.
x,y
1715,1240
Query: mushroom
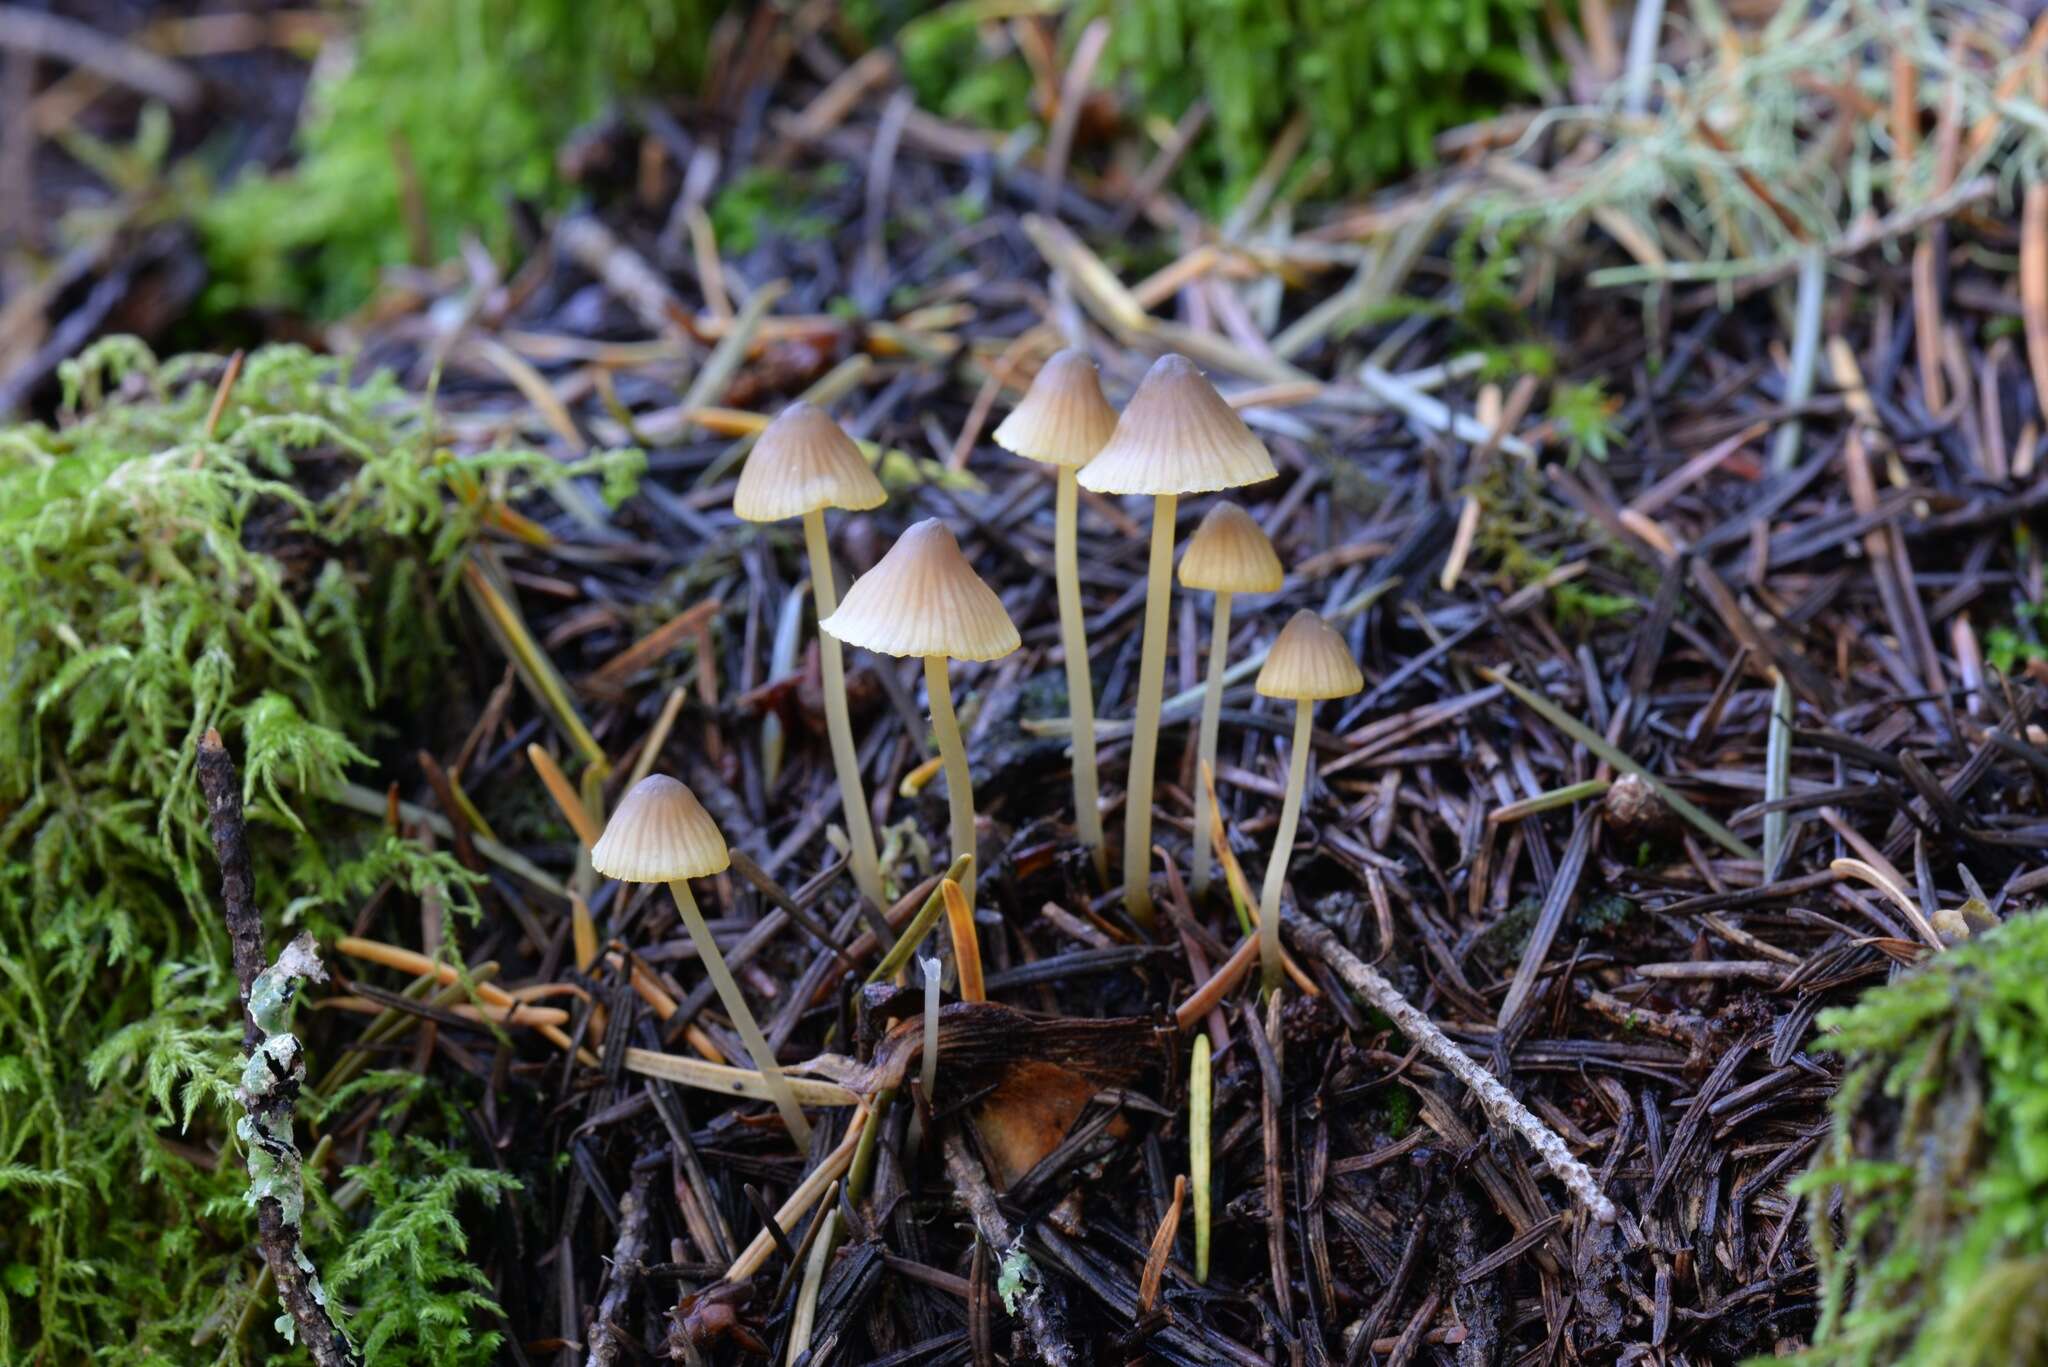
x,y
924,599
660,833
1310,661
1063,421
1176,436
1228,554
801,465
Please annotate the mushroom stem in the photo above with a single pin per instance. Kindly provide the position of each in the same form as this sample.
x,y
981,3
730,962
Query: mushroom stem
x,y
742,1015
1283,845
1080,688
959,788
1145,735
1205,752
928,1066
860,831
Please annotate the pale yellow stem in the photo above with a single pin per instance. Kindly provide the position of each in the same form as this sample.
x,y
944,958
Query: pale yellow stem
x,y
742,1015
959,788
860,831
1205,751
1200,1102
1080,687
1145,734
1283,845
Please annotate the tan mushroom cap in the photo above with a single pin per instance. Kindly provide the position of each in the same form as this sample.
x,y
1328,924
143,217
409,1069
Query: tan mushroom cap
x,y
804,461
1229,553
923,598
659,833
1310,661
1063,418
1177,436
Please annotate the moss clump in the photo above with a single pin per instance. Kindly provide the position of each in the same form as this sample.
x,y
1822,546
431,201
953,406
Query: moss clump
x,y
1377,82
458,104
284,578
1930,1197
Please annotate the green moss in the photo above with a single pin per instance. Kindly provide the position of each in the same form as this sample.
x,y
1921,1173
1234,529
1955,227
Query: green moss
x,y
460,104
763,201
1377,82
286,580
1929,1198
420,1301
1584,416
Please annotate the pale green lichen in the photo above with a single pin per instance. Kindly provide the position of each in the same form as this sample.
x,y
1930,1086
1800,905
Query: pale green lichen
x,y
270,1083
270,1000
274,1173
277,1061
1019,1276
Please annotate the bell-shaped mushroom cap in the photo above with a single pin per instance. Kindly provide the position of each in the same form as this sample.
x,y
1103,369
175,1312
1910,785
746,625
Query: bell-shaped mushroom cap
x,y
1063,419
923,598
1310,660
659,833
1229,553
1177,436
804,461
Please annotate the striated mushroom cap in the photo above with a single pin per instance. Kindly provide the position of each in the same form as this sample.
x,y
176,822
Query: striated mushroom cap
x,y
804,461
659,833
1063,418
1230,553
923,598
1177,436
1309,661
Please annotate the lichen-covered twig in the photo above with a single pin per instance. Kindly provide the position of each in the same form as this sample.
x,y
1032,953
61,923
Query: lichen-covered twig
x,y
275,1072
1500,1104
1024,1293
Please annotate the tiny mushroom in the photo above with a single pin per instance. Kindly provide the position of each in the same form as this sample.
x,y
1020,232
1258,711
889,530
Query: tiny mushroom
x,y
924,599
660,833
1176,436
1063,421
1310,661
1228,554
802,464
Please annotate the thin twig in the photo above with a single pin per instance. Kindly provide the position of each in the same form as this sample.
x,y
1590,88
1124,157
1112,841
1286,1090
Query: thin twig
x,y
1500,1104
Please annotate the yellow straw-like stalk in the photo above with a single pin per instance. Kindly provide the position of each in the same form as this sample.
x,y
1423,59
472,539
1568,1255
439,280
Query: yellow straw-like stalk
x,y
860,832
938,683
1145,736
1199,1104
1283,845
742,1015
1205,751
1080,687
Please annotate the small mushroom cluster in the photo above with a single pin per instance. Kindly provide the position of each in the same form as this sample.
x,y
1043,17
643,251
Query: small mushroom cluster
x,y
1176,438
